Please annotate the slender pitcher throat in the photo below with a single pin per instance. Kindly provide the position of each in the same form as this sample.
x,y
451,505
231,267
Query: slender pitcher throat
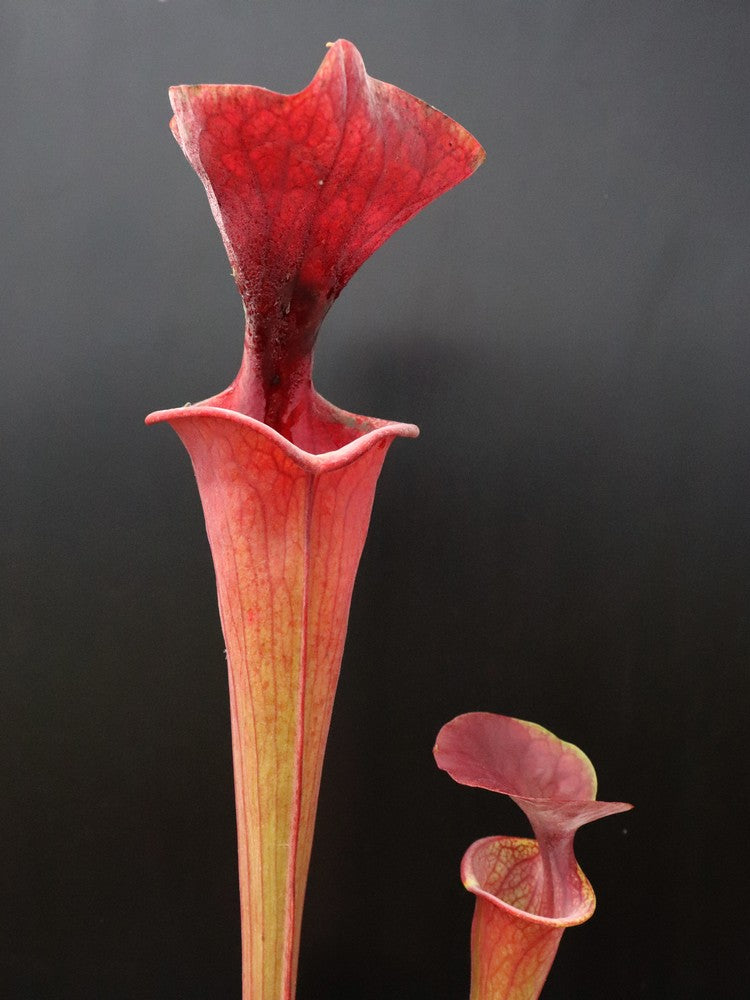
x,y
274,383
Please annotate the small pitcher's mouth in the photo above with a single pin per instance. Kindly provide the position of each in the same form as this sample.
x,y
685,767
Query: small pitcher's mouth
x,y
507,872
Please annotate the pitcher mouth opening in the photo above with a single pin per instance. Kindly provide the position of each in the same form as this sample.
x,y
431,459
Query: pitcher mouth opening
x,y
488,869
335,444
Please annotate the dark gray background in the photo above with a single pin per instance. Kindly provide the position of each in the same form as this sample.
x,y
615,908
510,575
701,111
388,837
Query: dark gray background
x,y
567,541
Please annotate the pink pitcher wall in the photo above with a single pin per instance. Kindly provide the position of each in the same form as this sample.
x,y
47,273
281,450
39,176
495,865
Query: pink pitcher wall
x,y
566,542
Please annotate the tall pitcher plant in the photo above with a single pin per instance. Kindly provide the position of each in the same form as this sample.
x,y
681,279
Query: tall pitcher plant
x,y
303,188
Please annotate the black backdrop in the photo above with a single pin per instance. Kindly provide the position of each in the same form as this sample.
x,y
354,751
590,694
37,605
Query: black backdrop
x,y
567,541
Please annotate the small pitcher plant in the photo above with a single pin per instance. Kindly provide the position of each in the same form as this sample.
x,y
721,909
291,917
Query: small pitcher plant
x,y
528,891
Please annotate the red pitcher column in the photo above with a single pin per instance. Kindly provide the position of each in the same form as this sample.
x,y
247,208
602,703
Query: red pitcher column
x,y
304,188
